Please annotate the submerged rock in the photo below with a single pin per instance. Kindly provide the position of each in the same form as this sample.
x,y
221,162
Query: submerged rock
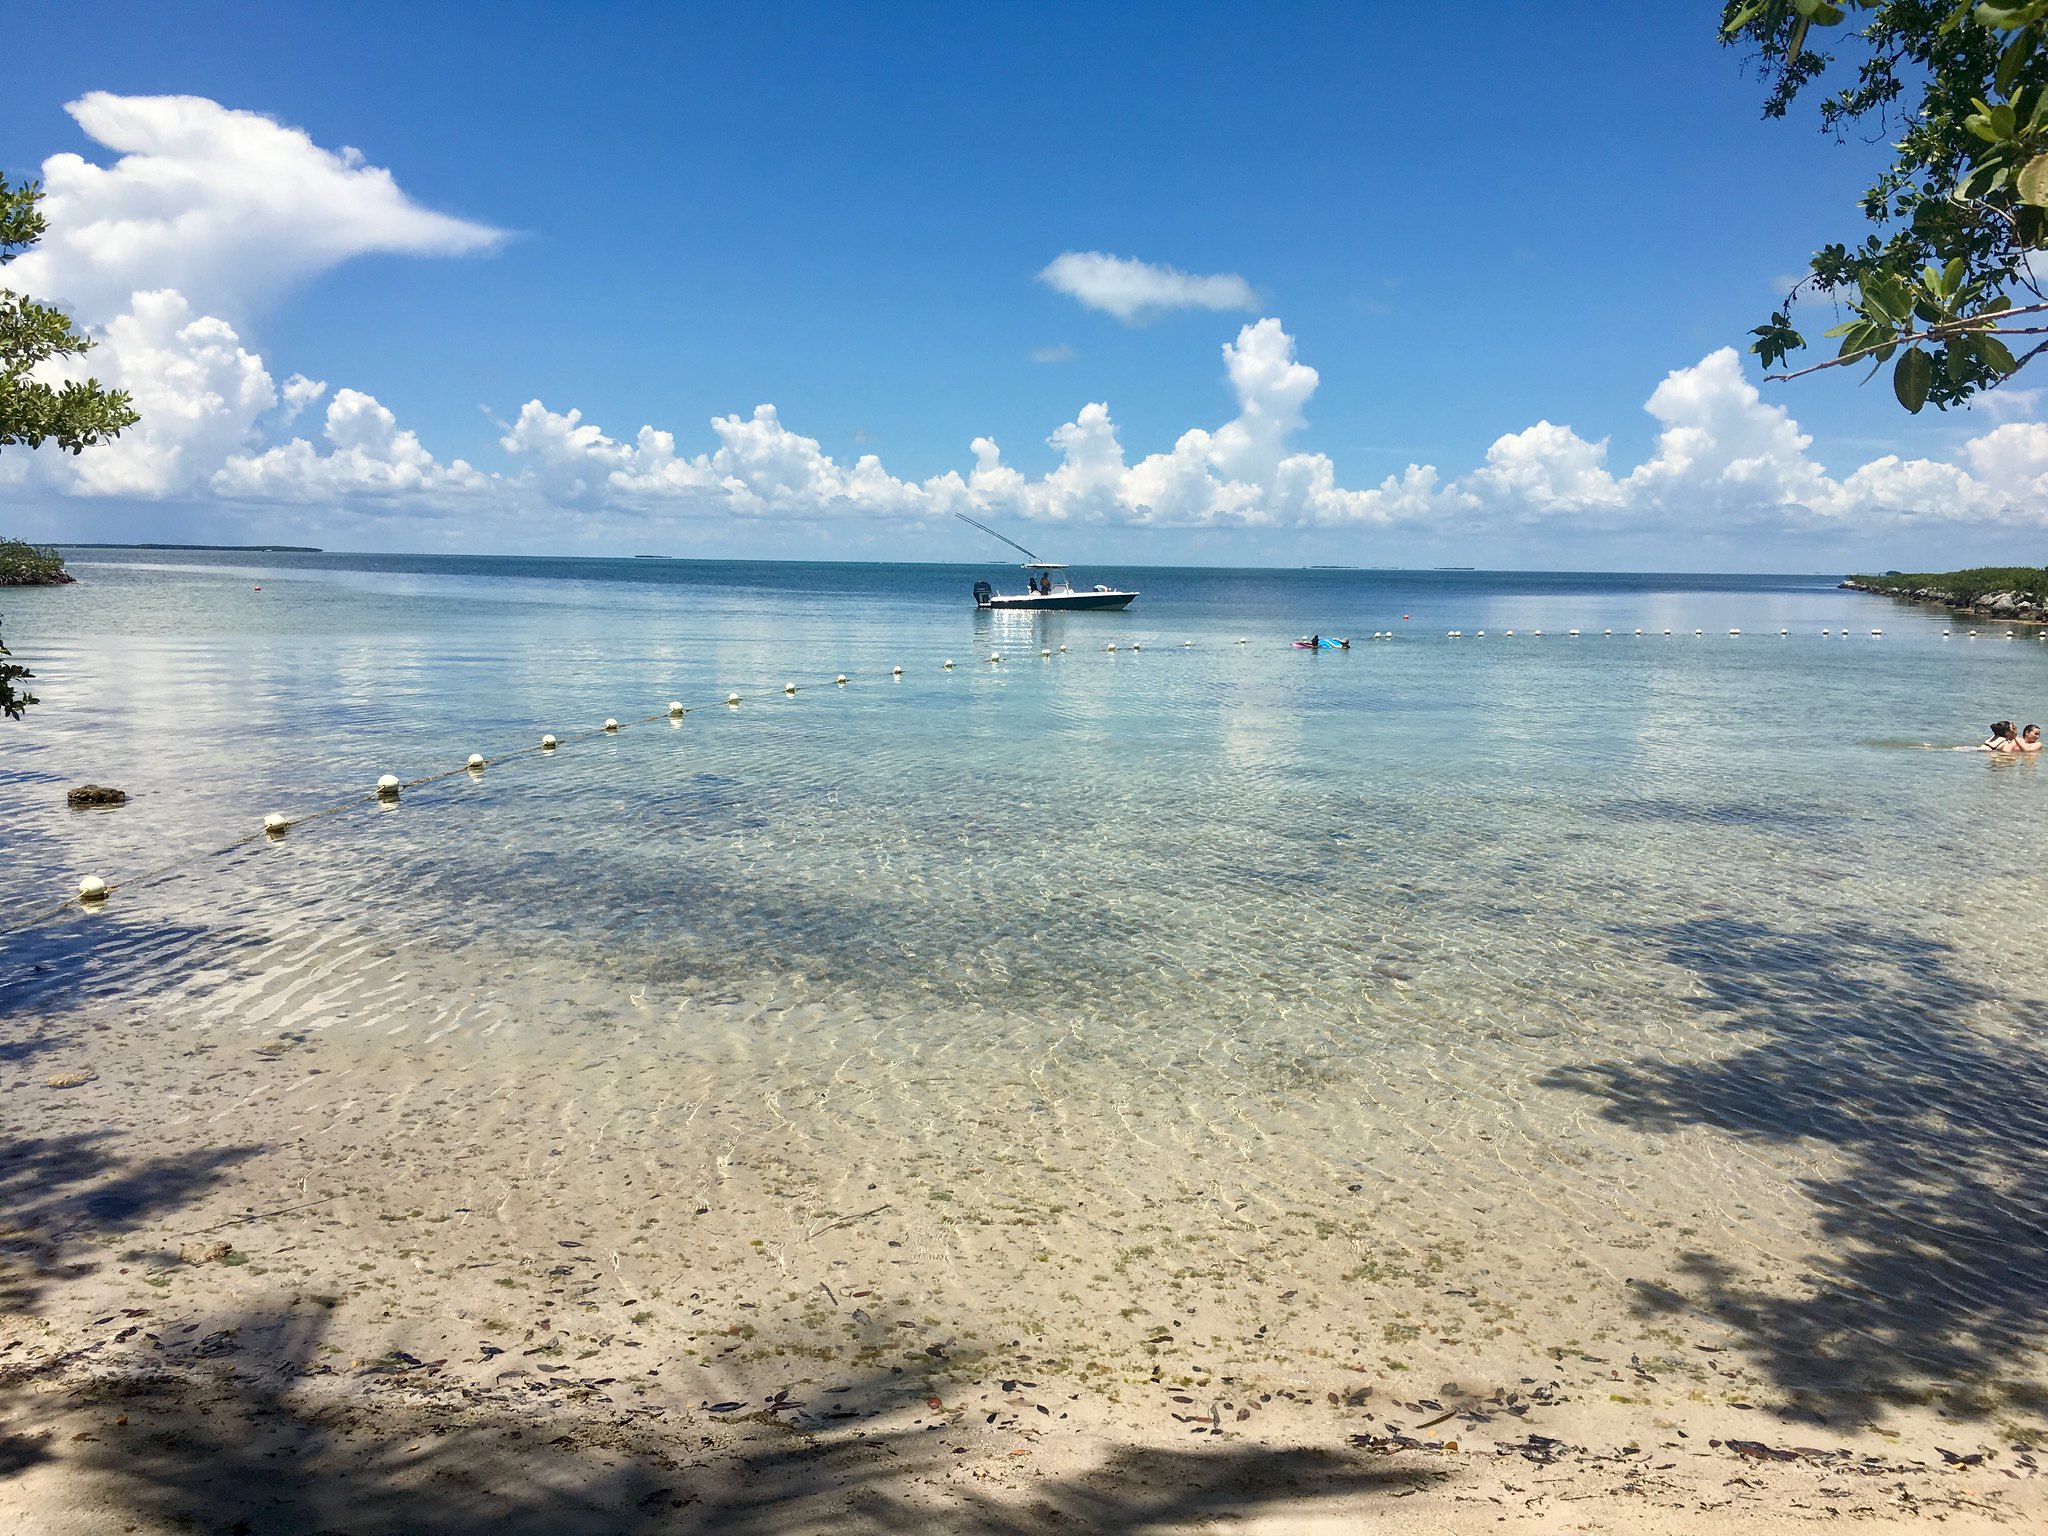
x,y
96,794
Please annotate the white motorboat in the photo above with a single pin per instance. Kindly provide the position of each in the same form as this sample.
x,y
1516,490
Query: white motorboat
x,y
1046,587
1057,592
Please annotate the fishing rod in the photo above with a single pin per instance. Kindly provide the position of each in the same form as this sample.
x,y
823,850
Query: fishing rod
x,y
984,527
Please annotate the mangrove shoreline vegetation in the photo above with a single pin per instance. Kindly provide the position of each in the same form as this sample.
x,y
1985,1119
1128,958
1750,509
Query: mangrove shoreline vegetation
x,y
2017,592
31,565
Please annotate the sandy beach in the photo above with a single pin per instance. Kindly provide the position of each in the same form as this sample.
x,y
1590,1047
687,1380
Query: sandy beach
x,y
261,1277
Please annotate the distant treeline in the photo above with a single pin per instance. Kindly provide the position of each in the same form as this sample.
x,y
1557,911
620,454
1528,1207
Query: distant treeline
x,y
246,549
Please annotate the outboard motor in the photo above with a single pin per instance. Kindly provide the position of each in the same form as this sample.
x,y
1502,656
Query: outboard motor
x,y
982,593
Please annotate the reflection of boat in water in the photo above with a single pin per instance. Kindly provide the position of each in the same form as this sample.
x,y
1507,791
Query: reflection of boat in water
x,y
1056,594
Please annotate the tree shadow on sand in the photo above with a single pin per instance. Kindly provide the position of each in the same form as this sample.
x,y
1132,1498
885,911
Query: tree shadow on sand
x,y
1937,1228
246,1437
60,1198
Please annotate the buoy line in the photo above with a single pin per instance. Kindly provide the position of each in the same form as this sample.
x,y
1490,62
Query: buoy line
x,y
390,790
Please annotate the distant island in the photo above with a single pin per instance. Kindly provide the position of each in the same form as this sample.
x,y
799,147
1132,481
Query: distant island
x,y
2016,592
237,549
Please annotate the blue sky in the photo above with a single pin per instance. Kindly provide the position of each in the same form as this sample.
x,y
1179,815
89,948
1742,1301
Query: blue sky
x,y
1464,229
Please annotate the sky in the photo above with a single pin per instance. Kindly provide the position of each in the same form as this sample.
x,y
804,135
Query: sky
x,y
1176,284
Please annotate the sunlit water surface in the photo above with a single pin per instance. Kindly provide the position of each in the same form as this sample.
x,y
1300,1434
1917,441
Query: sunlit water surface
x,y
1676,957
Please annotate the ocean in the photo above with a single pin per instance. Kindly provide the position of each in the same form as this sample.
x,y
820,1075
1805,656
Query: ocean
x,y
1444,1003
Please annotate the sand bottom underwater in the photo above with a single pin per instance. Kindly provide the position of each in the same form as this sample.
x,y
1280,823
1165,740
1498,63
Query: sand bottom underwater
x,y
361,1238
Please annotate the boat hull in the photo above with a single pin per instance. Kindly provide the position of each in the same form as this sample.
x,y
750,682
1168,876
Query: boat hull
x,y
1065,601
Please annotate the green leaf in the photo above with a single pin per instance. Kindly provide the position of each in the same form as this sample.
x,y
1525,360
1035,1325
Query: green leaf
x,y
2013,58
1995,354
1885,297
2033,181
1912,378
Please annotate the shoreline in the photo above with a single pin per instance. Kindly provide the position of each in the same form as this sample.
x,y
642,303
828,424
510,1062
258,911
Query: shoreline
x,y
2011,605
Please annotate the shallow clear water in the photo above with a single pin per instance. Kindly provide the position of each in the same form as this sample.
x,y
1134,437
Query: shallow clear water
x,y
1676,961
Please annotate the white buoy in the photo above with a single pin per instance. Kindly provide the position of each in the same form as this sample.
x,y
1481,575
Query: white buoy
x,y
1572,633
1240,641
2008,634
1136,647
1639,634
675,709
387,787
1944,634
1511,634
1698,632
895,671
611,725
1784,632
1539,634
276,825
1112,645
547,743
1482,634
789,687
949,663
476,761
92,889
1875,633
840,679
1734,631
732,700
1667,634
1606,631
1044,653
994,657
1187,645
1450,634
1063,650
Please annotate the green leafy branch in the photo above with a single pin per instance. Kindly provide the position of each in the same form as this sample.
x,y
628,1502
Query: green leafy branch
x,y
1964,207
76,415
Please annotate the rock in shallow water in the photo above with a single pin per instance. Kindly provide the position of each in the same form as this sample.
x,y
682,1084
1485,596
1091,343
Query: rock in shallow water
x,y
96,794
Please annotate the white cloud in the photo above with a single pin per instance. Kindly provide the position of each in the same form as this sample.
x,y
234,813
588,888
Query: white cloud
x,y
298,393
209,212
1135,290
368,456
198,391
229,208
1056,354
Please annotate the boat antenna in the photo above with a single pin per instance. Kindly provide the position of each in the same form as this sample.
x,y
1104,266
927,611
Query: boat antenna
x,y
984,527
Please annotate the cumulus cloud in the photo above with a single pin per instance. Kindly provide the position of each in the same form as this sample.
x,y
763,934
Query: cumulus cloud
x,y
229,208
198,390
368,456
1135,290
208,215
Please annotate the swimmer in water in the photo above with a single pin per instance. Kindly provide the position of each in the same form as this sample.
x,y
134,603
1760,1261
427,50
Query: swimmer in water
x,y
2030,739
2003,738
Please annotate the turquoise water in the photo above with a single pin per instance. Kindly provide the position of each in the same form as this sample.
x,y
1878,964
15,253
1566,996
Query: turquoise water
x,y
1676,956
